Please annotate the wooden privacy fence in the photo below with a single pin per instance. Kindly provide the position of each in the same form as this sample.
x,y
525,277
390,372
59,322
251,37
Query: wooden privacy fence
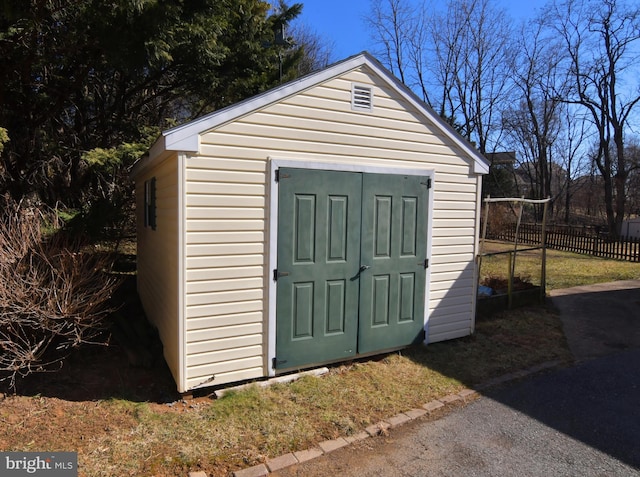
x,y
572,239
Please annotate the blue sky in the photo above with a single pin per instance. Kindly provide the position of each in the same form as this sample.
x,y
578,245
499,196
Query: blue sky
x,y
341,21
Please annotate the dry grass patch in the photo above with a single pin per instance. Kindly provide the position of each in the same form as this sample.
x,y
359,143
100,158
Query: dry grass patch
x,y
122,437
564,269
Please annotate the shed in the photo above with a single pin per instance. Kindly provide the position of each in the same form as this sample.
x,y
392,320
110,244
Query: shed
x,y
631,228
332,217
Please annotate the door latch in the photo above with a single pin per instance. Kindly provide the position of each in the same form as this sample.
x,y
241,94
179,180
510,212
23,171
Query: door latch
x,y
362,269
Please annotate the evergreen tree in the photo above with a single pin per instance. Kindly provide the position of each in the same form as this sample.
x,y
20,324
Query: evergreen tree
x,y
85,83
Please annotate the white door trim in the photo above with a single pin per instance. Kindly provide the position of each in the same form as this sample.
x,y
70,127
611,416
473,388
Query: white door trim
x,y
272,259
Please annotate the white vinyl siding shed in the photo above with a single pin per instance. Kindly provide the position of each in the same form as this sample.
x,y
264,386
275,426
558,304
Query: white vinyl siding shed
x,y
205,274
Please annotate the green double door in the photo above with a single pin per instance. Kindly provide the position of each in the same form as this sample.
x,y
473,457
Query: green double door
x,y
351,264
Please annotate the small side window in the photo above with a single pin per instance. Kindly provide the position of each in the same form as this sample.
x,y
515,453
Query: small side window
x,y
150,203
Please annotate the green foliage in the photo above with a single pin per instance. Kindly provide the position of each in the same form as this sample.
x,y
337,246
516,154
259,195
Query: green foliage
x,y
67,215
104,158
112,160
83,81
108,212
4,138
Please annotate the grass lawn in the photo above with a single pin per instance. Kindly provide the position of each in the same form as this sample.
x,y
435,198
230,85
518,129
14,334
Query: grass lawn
x,y
121,433
564,269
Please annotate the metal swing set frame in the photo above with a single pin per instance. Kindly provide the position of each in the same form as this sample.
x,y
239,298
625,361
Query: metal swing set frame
x,y
513,253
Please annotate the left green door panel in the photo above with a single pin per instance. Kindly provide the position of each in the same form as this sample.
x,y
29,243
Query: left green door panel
x,y
318,253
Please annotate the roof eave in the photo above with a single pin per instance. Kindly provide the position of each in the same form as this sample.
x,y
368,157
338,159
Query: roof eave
x,y
481,164
186,138
157,149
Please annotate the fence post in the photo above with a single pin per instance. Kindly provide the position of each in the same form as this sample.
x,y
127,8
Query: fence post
x,y
543,239
510,281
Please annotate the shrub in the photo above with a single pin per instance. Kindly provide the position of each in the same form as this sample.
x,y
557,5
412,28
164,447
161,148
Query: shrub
x,y
54,293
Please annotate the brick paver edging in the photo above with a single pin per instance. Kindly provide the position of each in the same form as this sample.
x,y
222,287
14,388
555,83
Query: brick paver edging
x,y
380,428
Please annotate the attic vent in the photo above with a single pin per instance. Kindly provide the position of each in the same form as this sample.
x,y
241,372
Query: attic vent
x,y
361,98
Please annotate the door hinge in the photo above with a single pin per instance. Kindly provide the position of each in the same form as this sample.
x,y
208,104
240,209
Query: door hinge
x,y
277,274
275,362
428,183
426,263
281,176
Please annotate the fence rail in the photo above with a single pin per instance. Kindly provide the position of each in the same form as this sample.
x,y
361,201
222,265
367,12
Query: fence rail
x,y
572,239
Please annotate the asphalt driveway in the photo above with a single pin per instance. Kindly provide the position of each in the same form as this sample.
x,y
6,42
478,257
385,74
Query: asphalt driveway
x,y
600,319
582,420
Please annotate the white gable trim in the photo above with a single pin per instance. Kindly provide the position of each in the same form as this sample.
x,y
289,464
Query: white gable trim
x,y
186,138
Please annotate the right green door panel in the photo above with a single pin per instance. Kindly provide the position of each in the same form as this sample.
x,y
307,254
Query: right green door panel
x,y
351,264
393,248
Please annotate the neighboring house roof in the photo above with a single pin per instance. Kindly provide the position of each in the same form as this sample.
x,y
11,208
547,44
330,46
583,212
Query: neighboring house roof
x,y
507,158
186,137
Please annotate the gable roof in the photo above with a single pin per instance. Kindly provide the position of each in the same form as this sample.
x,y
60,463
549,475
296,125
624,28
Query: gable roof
x,y
186,137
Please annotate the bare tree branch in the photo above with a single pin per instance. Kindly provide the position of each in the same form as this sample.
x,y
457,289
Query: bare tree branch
x,y
54,295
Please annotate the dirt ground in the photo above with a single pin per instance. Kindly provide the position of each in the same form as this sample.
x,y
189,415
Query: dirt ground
x,y
100,372
65,410
129,365
77,409
500,284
